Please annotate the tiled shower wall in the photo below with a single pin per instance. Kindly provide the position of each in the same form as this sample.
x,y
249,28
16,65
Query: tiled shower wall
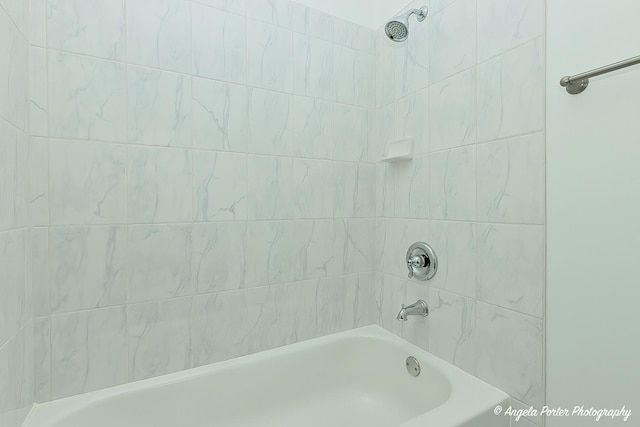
x,y
210,191
16,201
469,86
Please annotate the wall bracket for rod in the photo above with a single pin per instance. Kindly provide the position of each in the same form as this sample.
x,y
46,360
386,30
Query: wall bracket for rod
x,y
578,83
574,87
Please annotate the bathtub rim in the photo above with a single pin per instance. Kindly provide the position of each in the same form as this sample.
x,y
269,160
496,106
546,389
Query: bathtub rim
x,y
47,414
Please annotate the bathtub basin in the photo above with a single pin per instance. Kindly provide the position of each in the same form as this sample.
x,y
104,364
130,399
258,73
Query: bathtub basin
x,y
354,378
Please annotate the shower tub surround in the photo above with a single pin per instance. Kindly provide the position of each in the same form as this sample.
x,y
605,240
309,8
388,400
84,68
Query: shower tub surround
x,y
354,378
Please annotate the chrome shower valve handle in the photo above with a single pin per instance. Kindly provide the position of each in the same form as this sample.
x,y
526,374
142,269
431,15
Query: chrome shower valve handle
x,y
421,261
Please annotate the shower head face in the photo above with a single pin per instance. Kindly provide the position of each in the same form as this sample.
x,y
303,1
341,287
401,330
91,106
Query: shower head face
x,y
397,29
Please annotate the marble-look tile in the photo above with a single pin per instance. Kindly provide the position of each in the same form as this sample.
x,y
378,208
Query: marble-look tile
x,y
452,319
270,57
87,182
366,309
350,133
385,254
88,351
220,186
159,337
269,187
39,269
313,22
389,299
278,12
355,245
219,44
281,314
14,307
159,34
90,27
381,131
312,128
38,100
511,267
354,36
438,5
511,180
219,115
455,245
268,246
312,190
412,188
411,60
218,327
511,93
217,249
8,176
354,76
385,187
160,262
160,181
18,11
158,108
42,359
20,181
385,76
314,249
339,301
234,6
452,40
452,184
504,24
14,73
412,119
452,111
270,123
509,352
313,67
86,98
354,190
38,22
88,267
37,170
16,371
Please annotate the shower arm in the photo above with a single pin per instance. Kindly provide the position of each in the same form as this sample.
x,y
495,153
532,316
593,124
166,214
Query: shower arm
x,y
421,14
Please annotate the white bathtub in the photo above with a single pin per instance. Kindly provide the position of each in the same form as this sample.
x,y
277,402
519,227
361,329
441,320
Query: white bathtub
x,y
355,378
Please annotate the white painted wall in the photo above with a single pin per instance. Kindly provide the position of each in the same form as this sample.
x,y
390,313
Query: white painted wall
x,y
369,13
593,160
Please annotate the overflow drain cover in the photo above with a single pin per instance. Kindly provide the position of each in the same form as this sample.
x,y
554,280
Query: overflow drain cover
x,y
413,366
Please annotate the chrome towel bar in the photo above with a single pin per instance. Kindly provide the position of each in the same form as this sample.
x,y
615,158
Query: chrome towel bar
x,y
578,83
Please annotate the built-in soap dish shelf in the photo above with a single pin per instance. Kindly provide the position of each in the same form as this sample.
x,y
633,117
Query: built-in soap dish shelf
x,y
399,150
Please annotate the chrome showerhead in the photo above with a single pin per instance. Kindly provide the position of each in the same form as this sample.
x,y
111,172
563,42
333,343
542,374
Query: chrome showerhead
x,y
398,28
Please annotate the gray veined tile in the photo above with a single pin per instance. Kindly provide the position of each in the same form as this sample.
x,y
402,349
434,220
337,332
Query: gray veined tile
x,y
88,351
159,108
270,57
219,44
160,262
220,115
157,33
159,337
87,182
220,186
88,267
159,181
